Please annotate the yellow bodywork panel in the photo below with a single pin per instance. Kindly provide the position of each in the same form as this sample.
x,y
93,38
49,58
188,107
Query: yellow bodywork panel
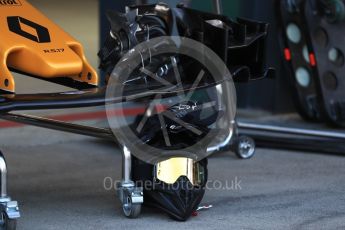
x,y
33,44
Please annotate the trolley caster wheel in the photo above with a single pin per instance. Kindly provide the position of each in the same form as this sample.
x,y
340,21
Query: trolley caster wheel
x,y
6,223
131,210
131,197
244,147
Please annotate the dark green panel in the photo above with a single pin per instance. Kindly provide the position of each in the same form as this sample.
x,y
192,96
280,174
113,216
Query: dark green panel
x,y
204,5
230,8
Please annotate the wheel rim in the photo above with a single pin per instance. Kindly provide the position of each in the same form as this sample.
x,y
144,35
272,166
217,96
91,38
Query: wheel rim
x,y
3,218
246,147
127,207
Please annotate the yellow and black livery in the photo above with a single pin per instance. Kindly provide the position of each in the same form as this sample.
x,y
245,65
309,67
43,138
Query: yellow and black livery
x,y
32,44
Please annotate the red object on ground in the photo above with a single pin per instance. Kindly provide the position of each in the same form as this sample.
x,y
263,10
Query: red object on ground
x,y
195,213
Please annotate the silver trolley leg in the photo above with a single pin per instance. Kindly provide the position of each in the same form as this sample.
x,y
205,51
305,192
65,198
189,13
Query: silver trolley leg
x,y
243,146
9,209
131,196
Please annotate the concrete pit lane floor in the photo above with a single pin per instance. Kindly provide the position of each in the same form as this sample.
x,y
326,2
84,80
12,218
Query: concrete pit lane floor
x,y
59,183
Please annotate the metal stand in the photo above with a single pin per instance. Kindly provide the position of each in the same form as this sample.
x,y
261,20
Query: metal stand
x,y
314,140
131,196
9,209
242,146
218,7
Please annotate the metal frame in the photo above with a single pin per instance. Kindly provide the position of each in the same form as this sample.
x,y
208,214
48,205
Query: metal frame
x,y
7,206
270,136
218,6
128,192
59,125
84,96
